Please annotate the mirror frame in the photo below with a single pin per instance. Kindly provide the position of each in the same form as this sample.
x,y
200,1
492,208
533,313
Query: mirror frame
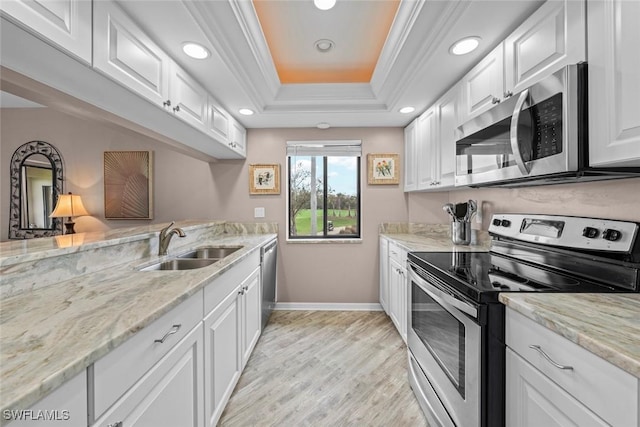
x,y
17,160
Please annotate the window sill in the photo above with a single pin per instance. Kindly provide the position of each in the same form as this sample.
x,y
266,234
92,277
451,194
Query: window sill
x,y
329,240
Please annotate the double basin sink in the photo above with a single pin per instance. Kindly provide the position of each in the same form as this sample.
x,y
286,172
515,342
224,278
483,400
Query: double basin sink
x,y
197,258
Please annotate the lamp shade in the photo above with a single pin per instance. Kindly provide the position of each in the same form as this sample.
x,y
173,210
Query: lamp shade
x,y
69,205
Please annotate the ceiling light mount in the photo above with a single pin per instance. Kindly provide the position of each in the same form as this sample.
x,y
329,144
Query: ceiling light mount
x,y
324,4
465,45
407,110
195,50
324,45
323,125
246,111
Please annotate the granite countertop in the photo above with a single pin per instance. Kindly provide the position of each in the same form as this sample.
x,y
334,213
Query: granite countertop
x,y
431,238
51,334
607,325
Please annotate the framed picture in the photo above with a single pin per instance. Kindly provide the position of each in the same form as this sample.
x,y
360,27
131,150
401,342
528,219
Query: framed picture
x,y
264,179
383,169
128,178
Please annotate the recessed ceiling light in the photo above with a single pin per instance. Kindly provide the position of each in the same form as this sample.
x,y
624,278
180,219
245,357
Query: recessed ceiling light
x,y
465,45
324,45
245,111
195,50
324,4
323,125
407,110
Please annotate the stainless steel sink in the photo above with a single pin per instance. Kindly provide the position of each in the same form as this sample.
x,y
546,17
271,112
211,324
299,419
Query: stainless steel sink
x,y
181,264
210,252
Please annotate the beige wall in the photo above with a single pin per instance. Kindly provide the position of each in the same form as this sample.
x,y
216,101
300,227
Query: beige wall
x,y
182,185
323,272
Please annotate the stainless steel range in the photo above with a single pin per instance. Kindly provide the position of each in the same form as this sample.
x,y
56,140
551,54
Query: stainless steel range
x,y
456,324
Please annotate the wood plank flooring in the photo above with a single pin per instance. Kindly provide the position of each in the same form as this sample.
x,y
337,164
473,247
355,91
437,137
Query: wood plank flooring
x,y
325,368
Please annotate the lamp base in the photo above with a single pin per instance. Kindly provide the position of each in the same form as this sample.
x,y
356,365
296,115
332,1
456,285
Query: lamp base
x,y
69,227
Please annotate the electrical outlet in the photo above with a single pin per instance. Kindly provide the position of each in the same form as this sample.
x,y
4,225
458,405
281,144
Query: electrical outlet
x,y
258,213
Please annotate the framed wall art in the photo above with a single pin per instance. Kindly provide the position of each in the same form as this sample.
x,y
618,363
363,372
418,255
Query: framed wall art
x,y
128,179
383,169
264,179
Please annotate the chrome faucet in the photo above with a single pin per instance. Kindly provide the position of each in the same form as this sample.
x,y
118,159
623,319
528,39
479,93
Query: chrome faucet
x,y
166,235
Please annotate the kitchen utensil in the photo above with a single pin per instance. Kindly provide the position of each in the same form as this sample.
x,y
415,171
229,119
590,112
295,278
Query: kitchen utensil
x,y
461,232
472,209
461,211
448,207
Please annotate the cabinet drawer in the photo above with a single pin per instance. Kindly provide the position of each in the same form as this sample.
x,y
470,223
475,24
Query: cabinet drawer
x,y
397,254
216,291
602,387
115,373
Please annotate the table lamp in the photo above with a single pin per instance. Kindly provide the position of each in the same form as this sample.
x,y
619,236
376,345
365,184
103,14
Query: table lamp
x,y
69,205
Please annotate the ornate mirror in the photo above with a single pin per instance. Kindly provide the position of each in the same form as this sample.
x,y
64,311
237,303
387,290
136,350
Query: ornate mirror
x,y
36,182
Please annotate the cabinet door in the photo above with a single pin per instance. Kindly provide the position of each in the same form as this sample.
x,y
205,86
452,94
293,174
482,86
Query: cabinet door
x,y
426,159
65,23
238,138
170,394
483,86
251,314
384,274
533,400
447,113
124,53
614,83
223,364
218,122
189,100
554,36
398,298
410,156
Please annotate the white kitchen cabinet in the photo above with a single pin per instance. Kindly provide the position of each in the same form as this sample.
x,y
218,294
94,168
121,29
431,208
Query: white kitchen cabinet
x,y
582,389
426,149
66,24
66,406
614,83
483,86
218,122
222,355
238,141
123,52
384,274
552,37
398,288
411,156
444,150
171,393
251,314
189,100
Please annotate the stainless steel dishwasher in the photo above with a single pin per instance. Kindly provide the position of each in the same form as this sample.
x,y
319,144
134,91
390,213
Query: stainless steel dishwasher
x,y
268,262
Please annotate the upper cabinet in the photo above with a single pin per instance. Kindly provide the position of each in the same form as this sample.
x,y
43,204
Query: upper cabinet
x,y
67,24
410,156
189,100
238,141
552,37
614,83
124,53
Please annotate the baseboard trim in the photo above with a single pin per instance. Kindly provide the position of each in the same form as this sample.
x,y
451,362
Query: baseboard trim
x,y
321,306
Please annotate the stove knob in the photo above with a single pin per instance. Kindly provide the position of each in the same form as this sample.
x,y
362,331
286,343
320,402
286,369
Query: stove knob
x,y
497,222
590,232
611,235
506,223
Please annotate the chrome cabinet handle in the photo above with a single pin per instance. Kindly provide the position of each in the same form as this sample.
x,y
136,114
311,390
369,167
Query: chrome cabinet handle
x,y
495,100
167,103
176,108
118,424
508,94
515,147
173,330
549,359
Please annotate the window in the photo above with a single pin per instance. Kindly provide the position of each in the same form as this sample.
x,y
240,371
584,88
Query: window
x,y
323,189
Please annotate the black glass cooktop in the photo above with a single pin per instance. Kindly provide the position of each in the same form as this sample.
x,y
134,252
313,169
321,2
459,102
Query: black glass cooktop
x,y
482,275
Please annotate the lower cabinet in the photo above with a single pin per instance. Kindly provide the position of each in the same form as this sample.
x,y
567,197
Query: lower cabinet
x,y
398,288
384,274
551,381
171,393
231,330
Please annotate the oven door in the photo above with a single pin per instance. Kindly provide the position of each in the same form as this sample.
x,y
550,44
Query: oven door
x,y
445,340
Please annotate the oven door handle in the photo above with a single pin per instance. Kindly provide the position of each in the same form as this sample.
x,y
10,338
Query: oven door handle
x,y
441,297
515,147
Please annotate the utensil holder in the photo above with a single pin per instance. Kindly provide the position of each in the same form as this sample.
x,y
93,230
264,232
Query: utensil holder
x,y
461,232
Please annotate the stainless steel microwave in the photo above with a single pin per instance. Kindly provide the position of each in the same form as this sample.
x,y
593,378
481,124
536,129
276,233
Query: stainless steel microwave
x,y
537,136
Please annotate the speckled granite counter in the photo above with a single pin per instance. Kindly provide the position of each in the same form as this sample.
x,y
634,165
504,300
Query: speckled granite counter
x,y
431,238
50,334
608,325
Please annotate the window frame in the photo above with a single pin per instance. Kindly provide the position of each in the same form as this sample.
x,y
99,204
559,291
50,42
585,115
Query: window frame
x,y
325,237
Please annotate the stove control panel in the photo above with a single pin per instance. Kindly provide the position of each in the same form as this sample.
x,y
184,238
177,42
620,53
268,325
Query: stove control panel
x,y
566,231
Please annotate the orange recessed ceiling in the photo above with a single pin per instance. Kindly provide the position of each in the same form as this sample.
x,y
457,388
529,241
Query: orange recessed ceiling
x,y
358,29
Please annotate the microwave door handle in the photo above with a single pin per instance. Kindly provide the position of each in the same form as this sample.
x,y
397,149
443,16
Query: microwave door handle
x,y
515,147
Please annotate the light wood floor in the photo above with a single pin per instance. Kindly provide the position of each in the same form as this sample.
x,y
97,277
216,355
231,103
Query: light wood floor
x,y
319,368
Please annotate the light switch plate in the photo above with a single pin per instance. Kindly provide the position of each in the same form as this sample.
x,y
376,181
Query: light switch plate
x,y
258,213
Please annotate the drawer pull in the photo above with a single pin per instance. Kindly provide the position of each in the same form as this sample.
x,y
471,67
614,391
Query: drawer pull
x,y
118,424
172,331
549,359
